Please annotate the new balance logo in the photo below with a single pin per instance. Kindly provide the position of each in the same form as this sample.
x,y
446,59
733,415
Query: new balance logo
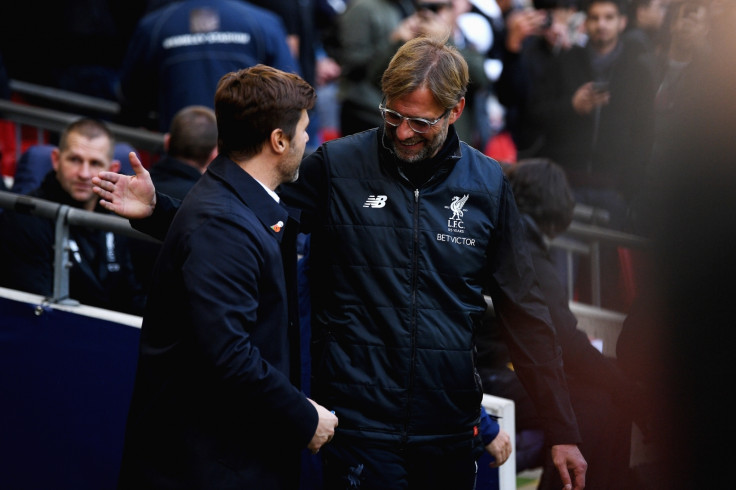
x,y
375,201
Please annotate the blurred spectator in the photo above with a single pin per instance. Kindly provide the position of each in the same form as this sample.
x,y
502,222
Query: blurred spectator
x,y
535,38
603,398
179,52
597,113
190,146
305,21
688,39
299,21
644,27
35,162
101,271
693,230
472,34
677,73
369,33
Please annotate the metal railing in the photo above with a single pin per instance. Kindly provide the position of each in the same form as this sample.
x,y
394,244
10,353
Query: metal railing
x,y
65,217
73,99
55,121
586,240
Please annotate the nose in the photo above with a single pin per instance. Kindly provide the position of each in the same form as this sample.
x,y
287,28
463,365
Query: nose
x,y
85,171
404,131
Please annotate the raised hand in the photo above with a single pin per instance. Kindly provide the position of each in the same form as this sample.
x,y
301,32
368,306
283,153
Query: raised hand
x,y
130,196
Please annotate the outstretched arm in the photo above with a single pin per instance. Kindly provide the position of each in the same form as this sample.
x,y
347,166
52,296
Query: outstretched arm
x,y
130,196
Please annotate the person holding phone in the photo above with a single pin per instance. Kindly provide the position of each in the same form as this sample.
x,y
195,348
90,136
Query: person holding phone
x,y
597,115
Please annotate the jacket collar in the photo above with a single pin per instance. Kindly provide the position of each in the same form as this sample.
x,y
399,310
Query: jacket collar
x,y
171,165
273,215
440,165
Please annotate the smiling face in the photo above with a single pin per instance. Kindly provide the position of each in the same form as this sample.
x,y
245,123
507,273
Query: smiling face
x,y
409,145
82,159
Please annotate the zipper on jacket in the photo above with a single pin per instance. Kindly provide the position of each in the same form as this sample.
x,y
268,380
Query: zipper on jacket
x,y
414,275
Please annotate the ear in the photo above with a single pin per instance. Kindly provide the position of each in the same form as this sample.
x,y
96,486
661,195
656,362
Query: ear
x,y
167,139
55,159
279,141
114,166
456,111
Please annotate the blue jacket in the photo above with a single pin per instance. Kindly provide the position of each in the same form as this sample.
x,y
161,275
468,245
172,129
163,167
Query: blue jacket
x,y
179,52
398,277
215,403
174,177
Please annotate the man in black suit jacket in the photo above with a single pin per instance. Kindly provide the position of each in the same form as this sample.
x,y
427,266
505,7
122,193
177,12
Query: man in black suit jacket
x,y
216,402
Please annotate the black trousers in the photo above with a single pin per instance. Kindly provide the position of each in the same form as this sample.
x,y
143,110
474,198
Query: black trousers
x,y
354,463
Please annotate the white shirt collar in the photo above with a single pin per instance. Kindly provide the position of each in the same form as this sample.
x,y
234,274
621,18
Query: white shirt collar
x,y
270,192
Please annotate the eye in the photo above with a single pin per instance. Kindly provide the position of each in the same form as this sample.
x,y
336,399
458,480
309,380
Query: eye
x,y
393,118
420,125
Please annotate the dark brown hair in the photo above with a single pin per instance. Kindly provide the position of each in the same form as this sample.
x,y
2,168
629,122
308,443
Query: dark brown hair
x,y
253,102
541,190
193,134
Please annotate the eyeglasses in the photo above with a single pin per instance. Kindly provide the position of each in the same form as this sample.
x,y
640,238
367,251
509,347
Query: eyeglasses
x,y
417,124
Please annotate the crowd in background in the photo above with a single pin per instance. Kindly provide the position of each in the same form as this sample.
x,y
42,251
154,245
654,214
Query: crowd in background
x,y
534,65
518,103
599,87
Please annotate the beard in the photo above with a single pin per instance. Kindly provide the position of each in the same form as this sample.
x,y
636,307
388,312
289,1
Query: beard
x,y
431,145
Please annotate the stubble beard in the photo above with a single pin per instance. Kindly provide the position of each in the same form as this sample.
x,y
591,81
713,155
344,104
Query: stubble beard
x,y
430,149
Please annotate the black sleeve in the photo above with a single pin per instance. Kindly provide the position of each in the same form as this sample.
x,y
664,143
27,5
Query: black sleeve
x,y
581,359
157,225
533,346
